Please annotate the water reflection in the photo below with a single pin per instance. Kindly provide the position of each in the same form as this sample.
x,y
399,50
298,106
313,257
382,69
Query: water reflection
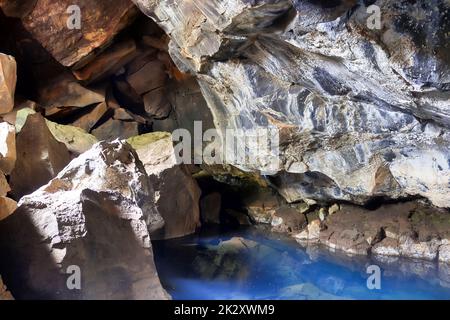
x,y
255,264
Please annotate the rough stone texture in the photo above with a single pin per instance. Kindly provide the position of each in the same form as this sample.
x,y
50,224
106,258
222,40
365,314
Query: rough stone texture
x,y
261,206
409,229
361,113
4,186
8,78
96,214
7,147
288,220
100,21
4,293
91,118
39,156
179,194
7,207
76,139
65,91
116,129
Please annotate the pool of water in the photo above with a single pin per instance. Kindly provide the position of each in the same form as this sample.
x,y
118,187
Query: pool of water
x,y
255,264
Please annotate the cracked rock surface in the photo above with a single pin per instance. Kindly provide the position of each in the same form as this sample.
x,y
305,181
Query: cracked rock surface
x,y
361,112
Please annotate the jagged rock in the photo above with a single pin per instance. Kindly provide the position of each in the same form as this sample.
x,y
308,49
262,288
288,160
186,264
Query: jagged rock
x,y
100,22
261,206
156,103
7,147
108,62
75,139
210,206
64,91
113,129
39,156
7,207
17,8
8,78
179,194
444,252
311,233
96,214
4,293
359,116
90,119
4,186
409,229
142,83
288,220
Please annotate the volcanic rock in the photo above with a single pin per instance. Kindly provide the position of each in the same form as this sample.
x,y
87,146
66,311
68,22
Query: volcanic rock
x,y
116,129
39,156
179,194
94,217
7,147
100,22
360,112
8,78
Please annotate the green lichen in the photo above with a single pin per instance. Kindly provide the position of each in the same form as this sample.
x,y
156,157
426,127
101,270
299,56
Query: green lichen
x,y
143,140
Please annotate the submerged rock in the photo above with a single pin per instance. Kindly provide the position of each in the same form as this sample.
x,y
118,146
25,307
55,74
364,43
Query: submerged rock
x,y
95,217
178,193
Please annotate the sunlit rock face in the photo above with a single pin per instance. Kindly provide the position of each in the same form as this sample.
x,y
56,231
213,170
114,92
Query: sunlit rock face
x,y
92,222
362,112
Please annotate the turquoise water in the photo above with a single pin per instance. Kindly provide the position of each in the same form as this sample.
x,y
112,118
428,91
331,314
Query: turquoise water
x,y
255,264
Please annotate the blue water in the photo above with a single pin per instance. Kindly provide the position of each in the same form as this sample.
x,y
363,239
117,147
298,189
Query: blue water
x,y
255,264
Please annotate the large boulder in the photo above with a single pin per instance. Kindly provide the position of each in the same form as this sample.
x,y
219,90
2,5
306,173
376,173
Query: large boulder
x,y
178,192
410,229
94,218
40,156
7,147
8,78
358,115
70,43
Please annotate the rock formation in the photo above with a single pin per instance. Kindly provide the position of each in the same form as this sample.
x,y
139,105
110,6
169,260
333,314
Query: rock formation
x,y
178,193
359,116
96,215
407,230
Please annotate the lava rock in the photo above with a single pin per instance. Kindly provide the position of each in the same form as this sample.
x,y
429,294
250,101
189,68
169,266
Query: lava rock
x,y
8,78
100,22
95,215
40,157
179,193
7,147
